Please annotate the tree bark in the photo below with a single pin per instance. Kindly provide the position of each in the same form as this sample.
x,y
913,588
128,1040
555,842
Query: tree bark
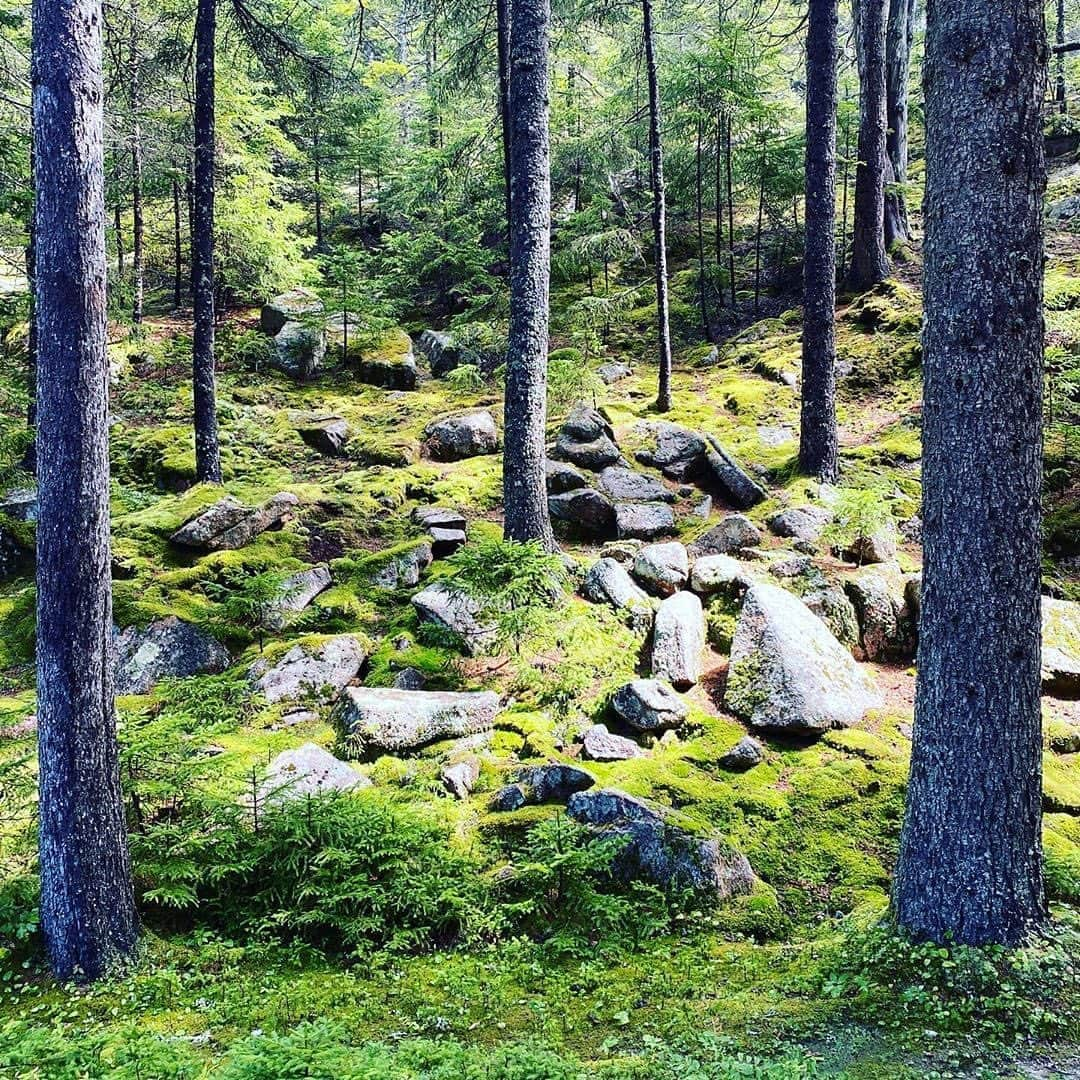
x,y
700,210
899,31
659,214
818,435
87,904
524,481
137,229
869,263
1059,58
207,453
970,862
502,32
178,250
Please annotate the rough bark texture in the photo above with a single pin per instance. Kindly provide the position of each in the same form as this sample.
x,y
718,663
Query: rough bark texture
x,y
869,264
137,228
970,858
659,215
524,483
1059,58
178,250
818,438
87,904
502,30
898,34
207,454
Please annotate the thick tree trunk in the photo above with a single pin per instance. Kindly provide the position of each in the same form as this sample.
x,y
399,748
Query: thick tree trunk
x,y
818,437
87,904
207,453
970,856
659,214
524,483
137,230
869,263
899,31
502,32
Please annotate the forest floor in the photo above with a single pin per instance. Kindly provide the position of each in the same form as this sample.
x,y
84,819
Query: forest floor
x,y
780,983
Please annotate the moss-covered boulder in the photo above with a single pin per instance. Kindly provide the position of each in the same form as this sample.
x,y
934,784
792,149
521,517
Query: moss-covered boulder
x,y
1061,647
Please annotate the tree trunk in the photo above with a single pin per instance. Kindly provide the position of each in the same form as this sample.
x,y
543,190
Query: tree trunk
x,y
818,436
207,453
178,250
659,214
136,172
700,209
731,214
758,230
524,482
118,229
87,904
320,244
970,864
898,34
869,263
1059,59
502,32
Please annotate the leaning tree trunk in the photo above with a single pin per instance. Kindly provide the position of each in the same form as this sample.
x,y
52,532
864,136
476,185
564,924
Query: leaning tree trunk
x,y
970,854
502,31
659,214
207,453
818,437
869,263
87,903
524,483
899,31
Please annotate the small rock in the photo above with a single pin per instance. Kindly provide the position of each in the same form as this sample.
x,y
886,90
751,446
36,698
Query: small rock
x,y
879,548
625,485
745,754
677,452
308,770
507,799
586,439
454,612
607,582
832,606
584,512
327,434
649,705
662,569
644,521
713,574
600,745
679,640
733,533
167,649
622,551
454,438
403,570
444,542
792,567
438,517
297,591
613,372
409,679
389,369
800,523
316,673
460,777
552,783
562,478
229,524
703,510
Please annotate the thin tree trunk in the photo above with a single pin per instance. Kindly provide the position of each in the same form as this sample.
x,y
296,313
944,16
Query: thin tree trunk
x,y
524,456
818,435
700,199
137,230
1059,59
656,159
758,231
207,453
869,263
178,250
502,33
970,865
87,904
317,153
118,228
731,215
898,34
718,208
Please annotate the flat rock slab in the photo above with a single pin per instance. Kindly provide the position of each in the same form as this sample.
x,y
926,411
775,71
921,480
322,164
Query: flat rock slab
x,y
385,721
788,672
625,485
455,613
228,524
297,591
307,771
657,850
679,640
438,517
599,744
313,673
1061,647
644,520
21,504
166,649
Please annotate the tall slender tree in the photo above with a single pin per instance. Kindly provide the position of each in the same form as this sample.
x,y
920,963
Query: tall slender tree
x,y
659,212
137,227
87,903
1059,58
869,263
207,452
502,54
970,855
899,31
524,483
818,436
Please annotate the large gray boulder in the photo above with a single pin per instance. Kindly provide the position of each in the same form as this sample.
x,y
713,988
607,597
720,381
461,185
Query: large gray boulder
x,y
644,520
676,451
166,649
299,350
662,569
659,851
719,575
732,533
384,721
229,524
649,705
454,438
788,672
293,306
679,640
624,485
315,672
607,582
440,350
586,439
584,512
296,593
1061,647
306,771
804,523
561,478
455,613
392,365
887,627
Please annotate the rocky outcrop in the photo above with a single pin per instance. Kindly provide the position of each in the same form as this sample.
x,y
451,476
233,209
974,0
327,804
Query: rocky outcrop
x,y
454,438
327,434
315,672
306,771
586,439
662,569
679,640
657,850
613,372
788,672
649,705
383,721
166,649
20,504
584,513
229,524
455,613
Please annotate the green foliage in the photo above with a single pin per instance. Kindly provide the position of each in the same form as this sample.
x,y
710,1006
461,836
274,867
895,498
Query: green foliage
x,y
247,603
858,514
465,379
570,380
517,586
